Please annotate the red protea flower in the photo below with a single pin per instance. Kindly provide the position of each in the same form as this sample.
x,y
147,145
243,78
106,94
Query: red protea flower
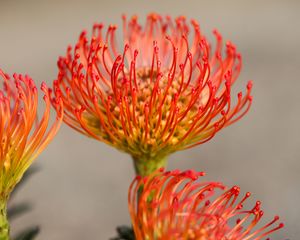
x,y
174,205
23,137
167,90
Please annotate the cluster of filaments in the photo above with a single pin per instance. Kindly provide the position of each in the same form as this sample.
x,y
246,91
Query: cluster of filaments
x,y
167,90
173,205
22,136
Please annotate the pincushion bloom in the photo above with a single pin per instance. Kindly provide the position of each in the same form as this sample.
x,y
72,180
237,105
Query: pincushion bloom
x,y
166,89
175,206
23,137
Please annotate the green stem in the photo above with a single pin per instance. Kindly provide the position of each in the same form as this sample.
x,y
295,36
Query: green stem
x,y
145,167
4,224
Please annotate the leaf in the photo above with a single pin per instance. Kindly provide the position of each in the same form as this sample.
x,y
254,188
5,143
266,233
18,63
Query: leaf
x,y
18,209
32,170
28,234
124,233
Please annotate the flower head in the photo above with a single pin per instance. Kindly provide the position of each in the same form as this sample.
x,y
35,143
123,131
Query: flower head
x,y
23,137
166,90
174,205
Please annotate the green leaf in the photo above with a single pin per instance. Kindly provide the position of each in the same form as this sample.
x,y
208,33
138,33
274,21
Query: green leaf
x,y
18,209
32,170
28,234
124,233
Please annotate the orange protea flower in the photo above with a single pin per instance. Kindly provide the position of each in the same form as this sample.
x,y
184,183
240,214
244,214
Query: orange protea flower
x,y
22,136
173,205
167,90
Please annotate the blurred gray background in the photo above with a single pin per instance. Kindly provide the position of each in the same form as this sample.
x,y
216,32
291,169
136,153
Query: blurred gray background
x,y
81,190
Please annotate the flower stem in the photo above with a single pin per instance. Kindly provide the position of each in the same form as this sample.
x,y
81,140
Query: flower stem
x,y
4,224
145,167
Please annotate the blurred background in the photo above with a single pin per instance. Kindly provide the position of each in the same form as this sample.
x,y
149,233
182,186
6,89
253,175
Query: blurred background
x,y
81,190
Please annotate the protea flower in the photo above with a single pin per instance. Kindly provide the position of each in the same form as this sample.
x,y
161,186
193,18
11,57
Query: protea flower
x,y
166,90
23,137
174,205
